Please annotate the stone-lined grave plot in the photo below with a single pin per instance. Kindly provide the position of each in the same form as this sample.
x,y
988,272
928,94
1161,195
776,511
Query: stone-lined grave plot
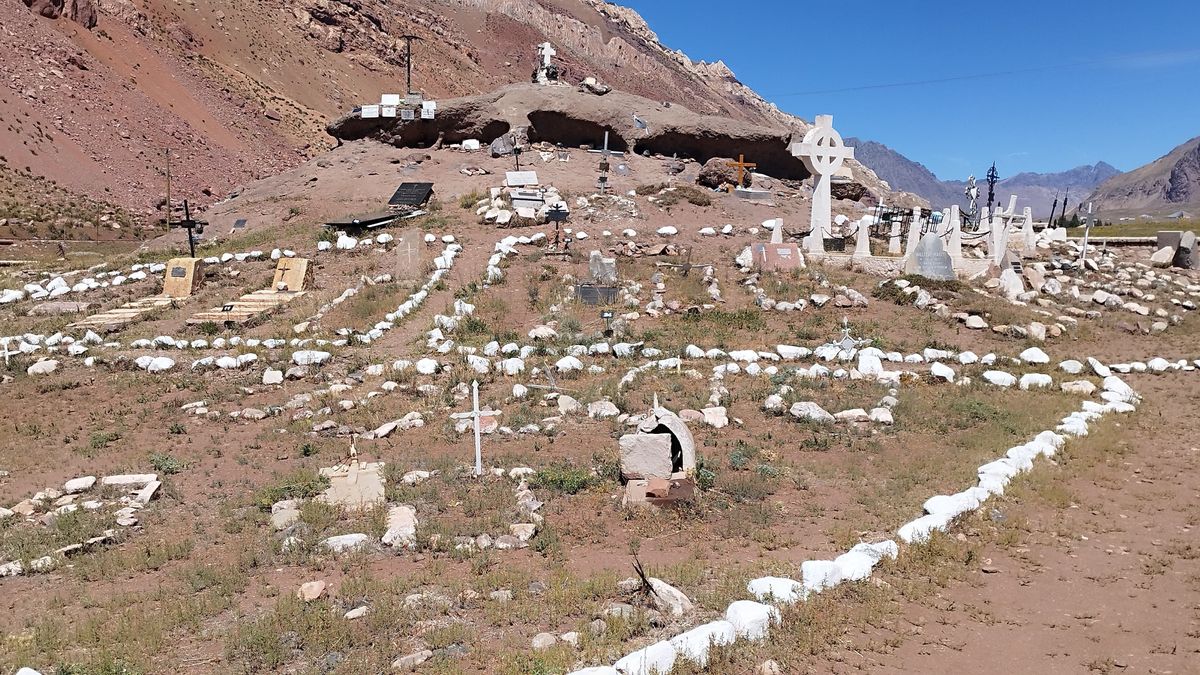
x,y
360,487
81,515
184,276
292,278
754,619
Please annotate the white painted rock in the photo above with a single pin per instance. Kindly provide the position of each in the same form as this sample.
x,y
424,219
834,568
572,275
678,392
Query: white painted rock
x,y
1000,378
1034,355
309,357
807,410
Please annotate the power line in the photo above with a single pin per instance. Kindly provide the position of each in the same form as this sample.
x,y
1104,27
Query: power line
x,y
1183,56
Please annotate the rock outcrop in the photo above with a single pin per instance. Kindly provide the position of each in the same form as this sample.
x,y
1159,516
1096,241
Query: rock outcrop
x,y
559,114
82,12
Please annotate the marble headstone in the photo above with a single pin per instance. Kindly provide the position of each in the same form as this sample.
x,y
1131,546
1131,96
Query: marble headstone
x,y
930,260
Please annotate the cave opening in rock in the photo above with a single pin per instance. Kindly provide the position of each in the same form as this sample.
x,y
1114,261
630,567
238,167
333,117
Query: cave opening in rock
x,y
555,127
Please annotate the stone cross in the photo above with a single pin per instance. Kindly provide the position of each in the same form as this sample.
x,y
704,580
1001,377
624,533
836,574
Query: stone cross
x,y
475,415
741,165
823,153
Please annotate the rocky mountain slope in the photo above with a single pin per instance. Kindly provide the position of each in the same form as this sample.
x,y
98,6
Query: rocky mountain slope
x,y
1167,185
95,91
1037,190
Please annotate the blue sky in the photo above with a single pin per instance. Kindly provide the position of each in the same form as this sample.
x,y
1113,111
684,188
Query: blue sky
x,y
1036,86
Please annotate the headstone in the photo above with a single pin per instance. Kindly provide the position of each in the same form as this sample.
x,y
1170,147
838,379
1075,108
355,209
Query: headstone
x,y
645,456
930,260
370,112
408,114
823,153
604,270
914,233
389,99
390,111
954,248
408,256
292,275
894,239
520,178
354,486
862,244
184,276
411,194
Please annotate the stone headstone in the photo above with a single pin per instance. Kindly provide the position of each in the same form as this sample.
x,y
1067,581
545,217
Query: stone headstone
x,y
292,275
184,276
778,257
408,256
354,486
930,260
646,456
603,270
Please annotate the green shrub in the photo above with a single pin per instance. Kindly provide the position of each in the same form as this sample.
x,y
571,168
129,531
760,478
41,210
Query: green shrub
x,y
563,478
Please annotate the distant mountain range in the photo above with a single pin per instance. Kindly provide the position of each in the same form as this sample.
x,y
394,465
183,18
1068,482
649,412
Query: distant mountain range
x,y
1166,186
1036,190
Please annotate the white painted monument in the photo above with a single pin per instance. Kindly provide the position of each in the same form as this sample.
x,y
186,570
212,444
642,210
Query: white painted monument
x,y
823,153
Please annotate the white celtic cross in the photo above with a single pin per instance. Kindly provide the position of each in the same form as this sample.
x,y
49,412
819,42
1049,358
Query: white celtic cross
x,y
823,152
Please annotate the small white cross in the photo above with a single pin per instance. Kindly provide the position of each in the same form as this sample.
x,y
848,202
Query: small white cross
x,y
475,414
6,352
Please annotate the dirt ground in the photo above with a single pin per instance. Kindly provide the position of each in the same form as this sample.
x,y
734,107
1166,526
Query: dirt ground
x,y
204,585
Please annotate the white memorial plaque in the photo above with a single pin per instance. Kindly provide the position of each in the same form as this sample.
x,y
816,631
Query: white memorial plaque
x,y
427,113
390,99
429,105
370,112
387,111
520,178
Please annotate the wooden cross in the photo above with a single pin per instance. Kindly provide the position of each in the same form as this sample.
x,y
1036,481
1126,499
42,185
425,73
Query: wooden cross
x,y
6,352
741,165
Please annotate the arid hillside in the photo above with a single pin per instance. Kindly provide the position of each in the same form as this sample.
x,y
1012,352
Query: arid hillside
x,y
239,91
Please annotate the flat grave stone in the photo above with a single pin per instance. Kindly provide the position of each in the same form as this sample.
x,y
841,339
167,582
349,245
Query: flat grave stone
x,y
411,194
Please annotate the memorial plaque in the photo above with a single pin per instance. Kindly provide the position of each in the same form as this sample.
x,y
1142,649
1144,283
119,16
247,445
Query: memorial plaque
x,y
178,272
390,99
414,98
520,178
407,114
591,294
930,260
239,224
427,114
411,194
387,111
370,112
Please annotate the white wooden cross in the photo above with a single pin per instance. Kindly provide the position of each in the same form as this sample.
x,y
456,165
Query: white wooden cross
x,y
6,352
823,153
475,414
546,50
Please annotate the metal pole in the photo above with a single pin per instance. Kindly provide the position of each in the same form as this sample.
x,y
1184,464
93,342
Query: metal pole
x,y
168,188
187,223
478,452
408,60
